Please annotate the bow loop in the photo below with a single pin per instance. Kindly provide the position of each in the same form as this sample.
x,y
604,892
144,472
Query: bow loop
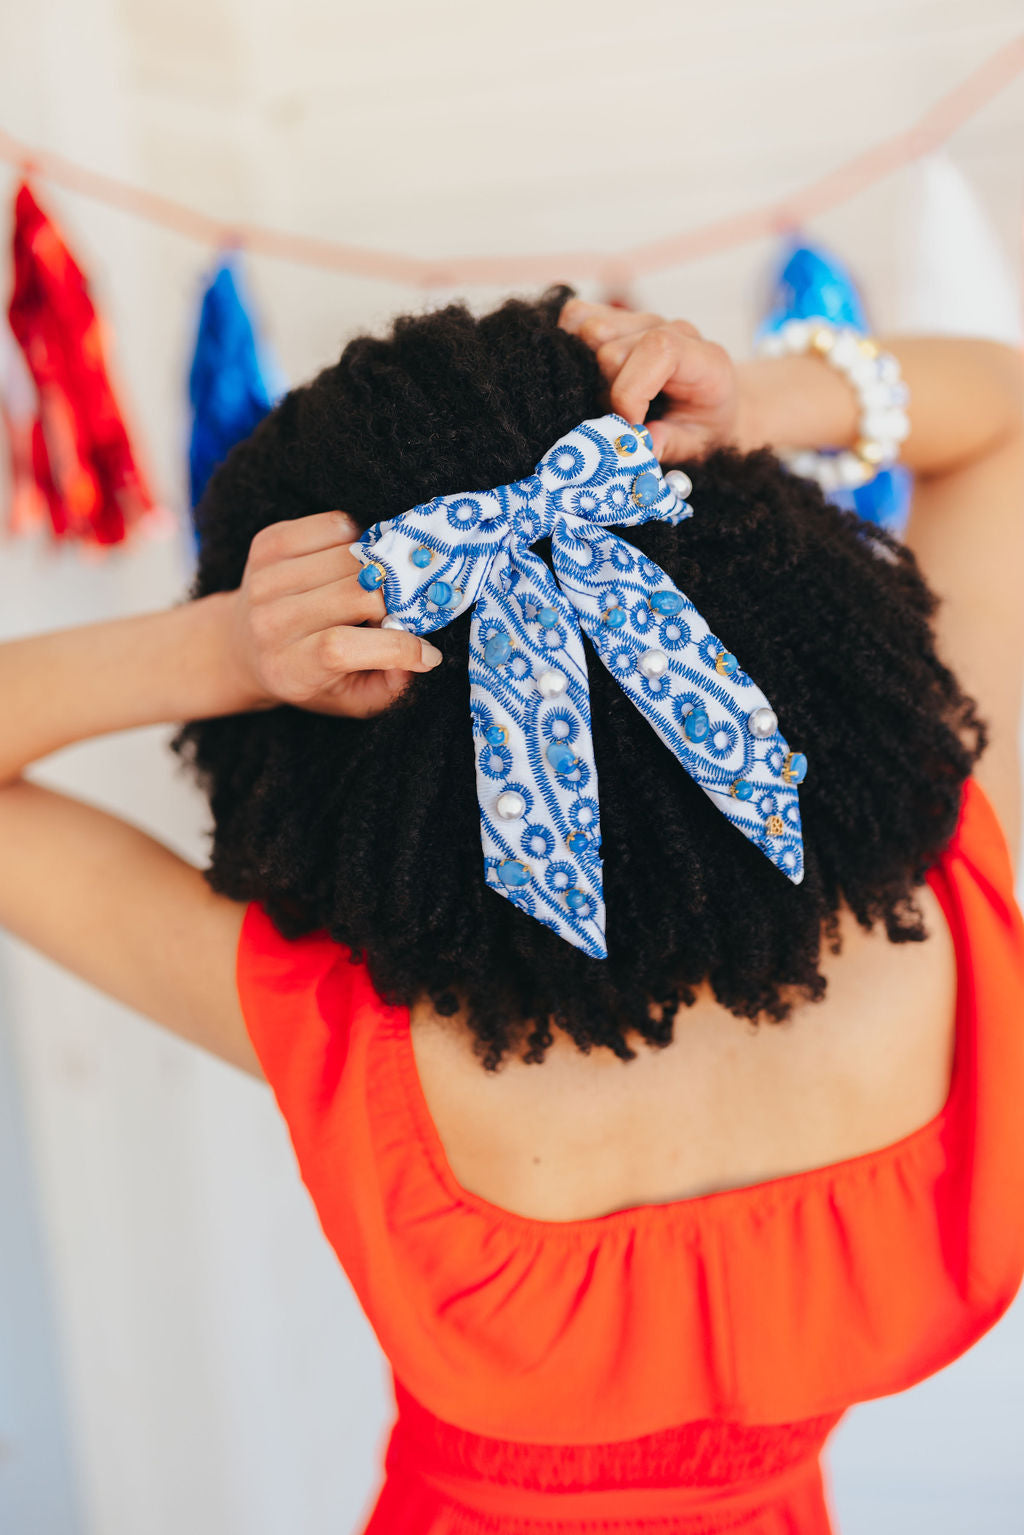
x,y
529,689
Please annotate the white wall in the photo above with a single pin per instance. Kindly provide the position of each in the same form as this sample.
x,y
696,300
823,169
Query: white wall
x,y
217,1375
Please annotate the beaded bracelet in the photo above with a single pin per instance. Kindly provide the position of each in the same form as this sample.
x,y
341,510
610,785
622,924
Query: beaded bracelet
x,y
881,394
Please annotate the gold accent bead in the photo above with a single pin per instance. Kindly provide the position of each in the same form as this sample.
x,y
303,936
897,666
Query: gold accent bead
x,y
868,348
870,452
822,340
774,826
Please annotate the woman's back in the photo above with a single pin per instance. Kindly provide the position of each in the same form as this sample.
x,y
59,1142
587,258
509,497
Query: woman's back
x,y
726,1104
675,1356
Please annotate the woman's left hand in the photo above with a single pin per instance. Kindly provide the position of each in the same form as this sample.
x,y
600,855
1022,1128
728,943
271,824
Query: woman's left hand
x,y
643,355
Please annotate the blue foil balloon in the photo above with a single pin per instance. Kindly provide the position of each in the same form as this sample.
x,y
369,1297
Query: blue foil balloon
x,y
228,385
813,284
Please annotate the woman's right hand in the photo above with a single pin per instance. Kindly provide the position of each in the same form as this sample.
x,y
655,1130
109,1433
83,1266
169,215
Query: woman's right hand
x,y
304,632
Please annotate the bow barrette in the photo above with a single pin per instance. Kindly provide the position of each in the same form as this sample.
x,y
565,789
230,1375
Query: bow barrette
x,y
529,694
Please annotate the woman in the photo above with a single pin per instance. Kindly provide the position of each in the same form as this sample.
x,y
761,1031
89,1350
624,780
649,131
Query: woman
x,y
635,1284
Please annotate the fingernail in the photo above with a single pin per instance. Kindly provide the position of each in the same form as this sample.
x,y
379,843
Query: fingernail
x,y
348,526
429,654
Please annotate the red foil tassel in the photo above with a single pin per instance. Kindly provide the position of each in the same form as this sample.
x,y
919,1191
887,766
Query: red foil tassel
x,y
80,454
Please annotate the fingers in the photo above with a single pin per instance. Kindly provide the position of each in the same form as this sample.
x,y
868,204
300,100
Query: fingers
x,y
300,536
675,442
639,367
333,653
279,621
304,573
361,694
598,323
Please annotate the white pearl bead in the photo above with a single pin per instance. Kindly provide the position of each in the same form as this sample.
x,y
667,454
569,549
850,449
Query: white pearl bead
x,y
763,722
875,424
876,396
773,345
899,424
653,663
510,805
679,483
391,623
852,470
844,350
552,684
796,334
803,463
827,475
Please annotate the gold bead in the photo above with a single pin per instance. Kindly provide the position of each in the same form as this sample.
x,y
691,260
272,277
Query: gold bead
x,y
868,348
822,340
870,452
774,826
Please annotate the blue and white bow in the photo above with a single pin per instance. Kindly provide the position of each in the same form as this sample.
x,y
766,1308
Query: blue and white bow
x,y
529,695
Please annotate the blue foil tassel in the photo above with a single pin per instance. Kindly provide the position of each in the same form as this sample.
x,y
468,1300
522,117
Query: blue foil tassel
x,y
231,384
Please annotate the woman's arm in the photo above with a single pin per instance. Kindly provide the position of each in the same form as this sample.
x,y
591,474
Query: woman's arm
x,y
101,897
966,447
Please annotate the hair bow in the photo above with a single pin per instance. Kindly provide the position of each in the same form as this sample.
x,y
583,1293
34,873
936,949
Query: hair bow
x,y
529,695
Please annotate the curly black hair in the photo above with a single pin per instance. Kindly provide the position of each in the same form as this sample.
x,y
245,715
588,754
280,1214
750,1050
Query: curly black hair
x,y
369,828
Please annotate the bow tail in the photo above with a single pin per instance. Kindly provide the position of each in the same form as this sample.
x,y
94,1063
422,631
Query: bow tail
x,y
535,771
688,686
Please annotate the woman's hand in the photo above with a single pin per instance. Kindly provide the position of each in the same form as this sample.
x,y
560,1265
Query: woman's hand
x,y
641,355
305,632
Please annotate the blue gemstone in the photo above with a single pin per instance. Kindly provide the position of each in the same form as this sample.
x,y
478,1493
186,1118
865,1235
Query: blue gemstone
x,y
575,899
547,618
795,770
371,577
743,790
696,725
561,757
615,618
626,444
726,664
441,593
666,602
577,842
498,649
422,556
495,735
513,874
648,440
646,488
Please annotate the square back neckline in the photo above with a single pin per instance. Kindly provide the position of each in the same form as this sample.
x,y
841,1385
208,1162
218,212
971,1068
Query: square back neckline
x,y
692,1207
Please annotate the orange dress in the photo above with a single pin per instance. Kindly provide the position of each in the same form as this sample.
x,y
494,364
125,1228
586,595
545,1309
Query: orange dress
x,y
672,1368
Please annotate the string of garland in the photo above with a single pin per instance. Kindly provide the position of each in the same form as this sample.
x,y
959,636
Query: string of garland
x,y
71,459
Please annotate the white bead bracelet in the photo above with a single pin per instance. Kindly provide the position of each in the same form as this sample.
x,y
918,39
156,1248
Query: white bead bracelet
x,y
881,393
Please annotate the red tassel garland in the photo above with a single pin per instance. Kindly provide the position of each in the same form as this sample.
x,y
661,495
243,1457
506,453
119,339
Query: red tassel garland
x,y
81,458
